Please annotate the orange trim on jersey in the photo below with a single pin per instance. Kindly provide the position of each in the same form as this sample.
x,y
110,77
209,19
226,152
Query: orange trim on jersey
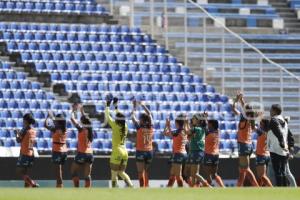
x,y
144,139
59,141
84,145
261,146
212,143
244,132
179,143
27,142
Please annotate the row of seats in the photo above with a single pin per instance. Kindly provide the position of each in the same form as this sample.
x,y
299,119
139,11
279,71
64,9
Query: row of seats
x,y
70,28
138,77
161,97
51,7
137,87
86,47
96,67
108,57
32,104
19,94
73,37
19,84
12,75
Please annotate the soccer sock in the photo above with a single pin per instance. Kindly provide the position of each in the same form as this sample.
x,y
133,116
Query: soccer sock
x,y
76,181
142,179
252,178
59,183
179,181
126,178
219,181
88,182
171,181
266,181
146,179
114,178
242,176
202,180
28,181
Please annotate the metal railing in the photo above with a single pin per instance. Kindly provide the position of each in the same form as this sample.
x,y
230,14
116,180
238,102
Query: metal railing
x,y
222,57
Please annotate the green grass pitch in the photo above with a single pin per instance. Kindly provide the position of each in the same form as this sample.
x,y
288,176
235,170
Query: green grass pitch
x,y
151,194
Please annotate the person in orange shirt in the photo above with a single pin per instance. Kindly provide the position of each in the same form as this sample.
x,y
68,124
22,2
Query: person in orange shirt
x,y
84,157
262,154
144,138
58,130
26,137
245,129
179,156
211,156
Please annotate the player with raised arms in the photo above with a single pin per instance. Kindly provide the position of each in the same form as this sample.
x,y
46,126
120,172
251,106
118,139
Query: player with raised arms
x,y
119,155
144,148
58,129
84,158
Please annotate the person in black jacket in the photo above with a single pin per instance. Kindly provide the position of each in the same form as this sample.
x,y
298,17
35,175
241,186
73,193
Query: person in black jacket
x,y
277,144
291,143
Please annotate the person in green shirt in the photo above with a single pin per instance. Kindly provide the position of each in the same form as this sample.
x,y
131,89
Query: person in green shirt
x,y
119,155
196,148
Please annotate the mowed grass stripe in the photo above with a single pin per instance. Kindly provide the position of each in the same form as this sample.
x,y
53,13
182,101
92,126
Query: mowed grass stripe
x,y
151,194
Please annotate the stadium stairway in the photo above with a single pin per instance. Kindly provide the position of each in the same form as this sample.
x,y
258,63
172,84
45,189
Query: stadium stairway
x,y
289,15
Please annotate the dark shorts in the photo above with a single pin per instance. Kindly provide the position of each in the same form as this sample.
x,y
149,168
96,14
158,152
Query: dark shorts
x,y
82,158
195,157
144,156
59,158
178,158
211,160
245,149
262,160
25,161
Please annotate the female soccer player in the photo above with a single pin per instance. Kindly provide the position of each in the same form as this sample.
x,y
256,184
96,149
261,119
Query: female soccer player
x,y
262,154
211,157
179,137
196,148
144,140
59,143
119,155
84,157
26,137
246,126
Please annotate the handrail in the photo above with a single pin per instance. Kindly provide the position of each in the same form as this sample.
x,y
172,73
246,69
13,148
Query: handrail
x,y
242,40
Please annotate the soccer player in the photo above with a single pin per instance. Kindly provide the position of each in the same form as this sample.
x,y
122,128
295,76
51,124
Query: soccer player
x,y
119,155
179,156
196,148
144,148
84,157
26,137
58,130
246,126
211,156
262,154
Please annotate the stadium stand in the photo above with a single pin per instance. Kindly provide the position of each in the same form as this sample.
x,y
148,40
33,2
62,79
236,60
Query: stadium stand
x,y
95,60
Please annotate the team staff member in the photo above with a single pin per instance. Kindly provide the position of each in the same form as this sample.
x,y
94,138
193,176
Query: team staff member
x,y
84,157
179,156
262,154
26,137
119,155
211,156
196,148
58,130
144,148
278,145
246,126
